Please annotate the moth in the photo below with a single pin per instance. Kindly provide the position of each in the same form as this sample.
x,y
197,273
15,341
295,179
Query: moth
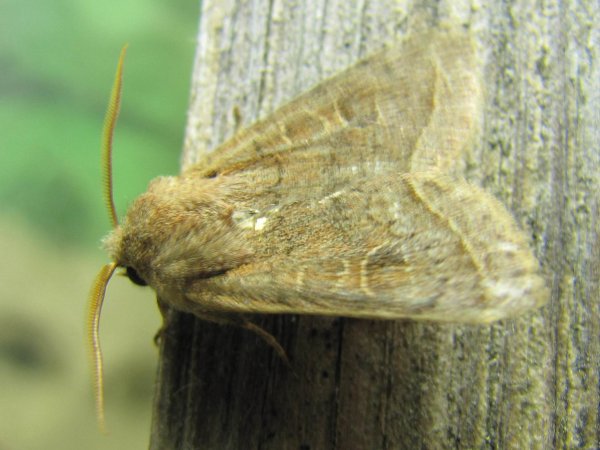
x,y
344,202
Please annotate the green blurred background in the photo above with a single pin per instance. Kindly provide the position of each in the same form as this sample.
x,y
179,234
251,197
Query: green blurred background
x,y
57,60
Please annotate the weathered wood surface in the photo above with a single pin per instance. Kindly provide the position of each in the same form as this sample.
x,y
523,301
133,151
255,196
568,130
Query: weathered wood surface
x,y
531,382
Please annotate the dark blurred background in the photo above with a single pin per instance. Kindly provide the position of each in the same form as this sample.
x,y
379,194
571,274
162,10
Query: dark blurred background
x,y
57,61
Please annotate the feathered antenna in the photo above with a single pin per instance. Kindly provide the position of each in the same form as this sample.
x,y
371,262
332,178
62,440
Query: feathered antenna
x,y
96,297
93,327
110,120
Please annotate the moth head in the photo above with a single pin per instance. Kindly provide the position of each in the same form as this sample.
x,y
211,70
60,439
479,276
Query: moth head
x,y
181,228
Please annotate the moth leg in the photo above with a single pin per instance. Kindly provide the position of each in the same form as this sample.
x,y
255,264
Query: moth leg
x,y
164,312
240,321
268,338
236,113
223,319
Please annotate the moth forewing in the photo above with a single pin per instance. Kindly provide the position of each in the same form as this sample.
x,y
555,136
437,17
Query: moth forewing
x,y
420,245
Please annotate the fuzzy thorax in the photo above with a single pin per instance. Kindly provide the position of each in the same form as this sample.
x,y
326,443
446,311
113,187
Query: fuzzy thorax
x,y
181,227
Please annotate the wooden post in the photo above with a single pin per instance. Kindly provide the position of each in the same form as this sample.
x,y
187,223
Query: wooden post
x,y
531,382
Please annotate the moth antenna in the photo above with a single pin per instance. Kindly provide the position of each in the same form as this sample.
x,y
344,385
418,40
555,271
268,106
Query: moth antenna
x,y
110,120
93,326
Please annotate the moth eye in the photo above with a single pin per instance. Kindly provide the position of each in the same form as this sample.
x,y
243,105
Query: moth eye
x,y
134,277
212,174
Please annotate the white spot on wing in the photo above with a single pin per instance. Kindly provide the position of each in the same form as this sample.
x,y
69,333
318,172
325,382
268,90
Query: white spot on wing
x,y
508,247
245,218
330,196
506,290
260,223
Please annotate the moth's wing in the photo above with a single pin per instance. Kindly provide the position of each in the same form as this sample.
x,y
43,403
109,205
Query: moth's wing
x,y
413,107
420,245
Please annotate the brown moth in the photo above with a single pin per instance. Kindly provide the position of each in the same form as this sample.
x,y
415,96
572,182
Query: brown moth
x,y
343,202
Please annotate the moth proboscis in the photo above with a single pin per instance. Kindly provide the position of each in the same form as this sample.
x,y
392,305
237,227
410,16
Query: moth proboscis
x,y
344,202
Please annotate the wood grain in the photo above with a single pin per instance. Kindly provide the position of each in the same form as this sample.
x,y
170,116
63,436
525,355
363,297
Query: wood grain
x,y
530,382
